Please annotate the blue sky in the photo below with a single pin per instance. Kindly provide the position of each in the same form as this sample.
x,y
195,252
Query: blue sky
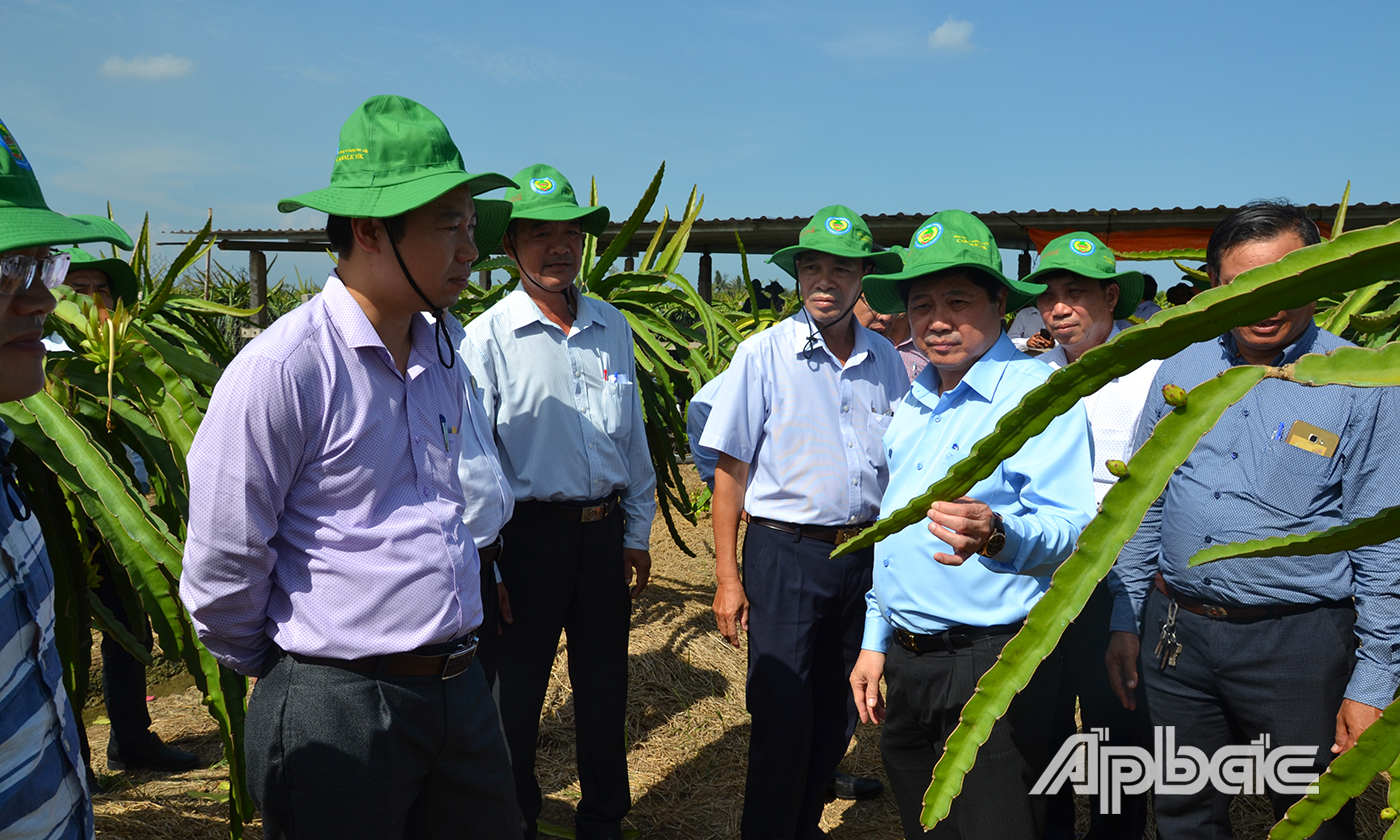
x,y
772,108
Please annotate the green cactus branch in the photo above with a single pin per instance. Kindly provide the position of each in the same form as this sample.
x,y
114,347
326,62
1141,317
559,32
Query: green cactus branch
x,y
1359,367
1346,778
1383,527
1350,261
1121,513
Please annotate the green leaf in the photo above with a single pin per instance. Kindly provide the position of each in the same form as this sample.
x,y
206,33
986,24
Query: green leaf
x,y
671,257
1168,254
116,629
1339,223
1120,515
1352,260
625,234
649,258
1358,533
185,302
1379,322
1361,367
1347,777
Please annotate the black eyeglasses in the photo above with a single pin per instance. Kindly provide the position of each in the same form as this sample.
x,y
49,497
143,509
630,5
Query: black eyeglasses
x,y
17,272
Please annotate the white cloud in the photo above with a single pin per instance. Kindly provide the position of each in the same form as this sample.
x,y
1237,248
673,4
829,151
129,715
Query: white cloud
x,y
147,66
952,36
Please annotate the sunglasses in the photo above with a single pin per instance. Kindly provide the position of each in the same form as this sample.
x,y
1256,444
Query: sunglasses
x,y
17,272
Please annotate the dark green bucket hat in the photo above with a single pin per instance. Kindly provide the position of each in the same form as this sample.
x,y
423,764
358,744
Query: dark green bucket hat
x,y
840,231
951,239
544,194
25,218
1084,254
119,273
395,156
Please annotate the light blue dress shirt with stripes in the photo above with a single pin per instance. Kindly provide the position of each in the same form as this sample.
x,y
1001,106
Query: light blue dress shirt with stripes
x,y
810,429
43,790
1045,494
566,409
1244,481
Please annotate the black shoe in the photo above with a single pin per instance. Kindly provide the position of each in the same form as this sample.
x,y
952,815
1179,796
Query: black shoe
x,y
153,755
95,787
846,786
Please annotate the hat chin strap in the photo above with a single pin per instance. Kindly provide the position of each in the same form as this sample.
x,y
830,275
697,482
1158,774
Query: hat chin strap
x,y
569,292
440,336
814,326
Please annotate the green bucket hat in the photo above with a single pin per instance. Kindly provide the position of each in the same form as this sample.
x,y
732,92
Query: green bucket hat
x,y
545,195
26,220
395,156
950,239
1086,255
840,231
118,271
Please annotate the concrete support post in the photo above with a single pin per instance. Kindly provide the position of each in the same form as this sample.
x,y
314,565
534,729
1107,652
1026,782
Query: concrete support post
x,y
257,287
707,276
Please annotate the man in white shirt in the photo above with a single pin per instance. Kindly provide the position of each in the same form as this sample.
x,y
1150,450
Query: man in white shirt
x,y
1084,295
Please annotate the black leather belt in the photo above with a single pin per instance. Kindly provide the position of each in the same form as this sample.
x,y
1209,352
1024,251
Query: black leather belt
x,y
824,533
952,639
489,554
1222,612
456,659
594,510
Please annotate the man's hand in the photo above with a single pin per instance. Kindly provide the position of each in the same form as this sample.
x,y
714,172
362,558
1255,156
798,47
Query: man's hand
x,y
1121,662
731,610
964,525
865,686
636,560
1040,341
503,598
1353,719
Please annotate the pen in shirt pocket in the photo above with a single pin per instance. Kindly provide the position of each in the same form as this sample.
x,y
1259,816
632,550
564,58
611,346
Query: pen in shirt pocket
x,y
446,430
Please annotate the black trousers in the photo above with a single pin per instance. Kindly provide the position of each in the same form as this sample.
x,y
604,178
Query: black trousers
x,y
1235,680
123,675
488,646
563,575
1083,675
335,754
926,693
806,615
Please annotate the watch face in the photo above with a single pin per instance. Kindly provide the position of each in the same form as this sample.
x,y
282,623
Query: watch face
x,y
995,543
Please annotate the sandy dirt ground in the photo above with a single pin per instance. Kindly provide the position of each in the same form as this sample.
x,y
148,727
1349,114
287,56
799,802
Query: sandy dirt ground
x,y
687,733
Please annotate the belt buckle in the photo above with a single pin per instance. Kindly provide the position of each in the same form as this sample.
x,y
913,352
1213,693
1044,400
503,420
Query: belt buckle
x,y
844,535
458,661
593,514
1215,611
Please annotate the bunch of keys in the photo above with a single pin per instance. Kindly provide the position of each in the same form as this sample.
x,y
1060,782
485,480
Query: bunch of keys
x,y
1168,649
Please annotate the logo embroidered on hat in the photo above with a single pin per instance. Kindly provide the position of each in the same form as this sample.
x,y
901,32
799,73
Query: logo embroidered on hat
x,y
838,225
12,146
928,235
543,186
1083,247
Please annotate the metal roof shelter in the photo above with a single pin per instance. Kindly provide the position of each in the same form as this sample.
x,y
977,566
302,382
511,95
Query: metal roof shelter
x,y
1013,231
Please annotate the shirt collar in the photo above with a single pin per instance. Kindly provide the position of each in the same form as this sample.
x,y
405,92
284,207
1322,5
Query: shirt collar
x,y
1301,346
982,378
357,331
521,311
802,323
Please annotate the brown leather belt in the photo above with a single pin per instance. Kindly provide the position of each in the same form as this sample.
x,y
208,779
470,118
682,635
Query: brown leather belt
x,y
824,533
595,510
954,638
1222,612
454,662
489,554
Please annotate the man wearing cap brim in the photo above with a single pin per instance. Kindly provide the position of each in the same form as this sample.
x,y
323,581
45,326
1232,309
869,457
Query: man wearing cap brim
x,y
558,380
327,552
946,597
1084,300
797,425
45,790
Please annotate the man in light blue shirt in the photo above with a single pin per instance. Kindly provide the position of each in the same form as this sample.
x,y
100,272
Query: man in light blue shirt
x,y
558,380
797,424
951,594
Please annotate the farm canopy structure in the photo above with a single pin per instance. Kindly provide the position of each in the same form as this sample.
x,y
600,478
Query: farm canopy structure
x,y
1128,232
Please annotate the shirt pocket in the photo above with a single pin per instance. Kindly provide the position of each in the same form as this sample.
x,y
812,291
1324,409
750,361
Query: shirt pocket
x,y
1298,482
618,396
876,424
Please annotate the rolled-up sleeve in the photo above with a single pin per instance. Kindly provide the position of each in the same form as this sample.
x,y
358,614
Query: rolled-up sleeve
x,y
243,460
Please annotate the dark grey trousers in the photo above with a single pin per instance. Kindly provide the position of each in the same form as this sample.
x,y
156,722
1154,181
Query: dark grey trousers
x,y
806,613
926,694
335,754
1235,680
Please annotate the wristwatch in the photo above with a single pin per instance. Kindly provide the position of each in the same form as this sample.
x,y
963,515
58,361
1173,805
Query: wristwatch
x,y
996,541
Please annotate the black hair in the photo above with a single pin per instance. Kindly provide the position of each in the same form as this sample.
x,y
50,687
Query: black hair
x,y
342,238
979,278
1258,221
1149,287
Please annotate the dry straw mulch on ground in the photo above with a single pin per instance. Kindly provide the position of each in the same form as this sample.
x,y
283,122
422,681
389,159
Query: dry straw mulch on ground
x,y
687,733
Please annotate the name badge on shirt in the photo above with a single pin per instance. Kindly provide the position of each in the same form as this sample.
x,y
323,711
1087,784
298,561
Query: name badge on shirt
x,y
1308,437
